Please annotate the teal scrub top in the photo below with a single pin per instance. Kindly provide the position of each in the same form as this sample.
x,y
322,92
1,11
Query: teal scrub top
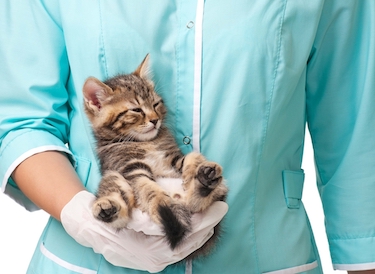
x,y
240,79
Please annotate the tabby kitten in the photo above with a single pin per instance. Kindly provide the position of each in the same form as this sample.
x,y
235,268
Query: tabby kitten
x,y
135,148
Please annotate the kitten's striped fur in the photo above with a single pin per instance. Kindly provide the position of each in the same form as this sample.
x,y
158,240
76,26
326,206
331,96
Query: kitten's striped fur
x,y
135,148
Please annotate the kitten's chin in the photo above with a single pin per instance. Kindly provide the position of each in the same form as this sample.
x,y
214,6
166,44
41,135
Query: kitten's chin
x,y
147,136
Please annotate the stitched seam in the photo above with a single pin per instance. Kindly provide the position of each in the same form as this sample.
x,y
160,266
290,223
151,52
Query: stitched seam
x,y
265,132
103,57
294,172
295,269
350,238
354,267
18,136
63,263
177,54
11,141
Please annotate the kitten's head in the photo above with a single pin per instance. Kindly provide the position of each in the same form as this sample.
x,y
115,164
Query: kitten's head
x,y
124,107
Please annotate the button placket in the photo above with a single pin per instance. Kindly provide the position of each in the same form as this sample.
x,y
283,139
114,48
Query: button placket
x,y
190,24
186,140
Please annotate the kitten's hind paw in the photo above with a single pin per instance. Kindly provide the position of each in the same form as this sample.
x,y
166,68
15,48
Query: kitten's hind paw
x,y
209,175
108,210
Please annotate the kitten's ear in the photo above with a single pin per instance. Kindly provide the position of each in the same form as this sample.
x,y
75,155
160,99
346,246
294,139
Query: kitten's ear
x,y
95,92
144,69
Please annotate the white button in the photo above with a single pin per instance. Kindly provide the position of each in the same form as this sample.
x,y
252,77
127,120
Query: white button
x,y
186,140
190,24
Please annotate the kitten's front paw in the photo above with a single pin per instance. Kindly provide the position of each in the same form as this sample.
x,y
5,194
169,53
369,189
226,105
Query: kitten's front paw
x,y
105,210
209,175
110,211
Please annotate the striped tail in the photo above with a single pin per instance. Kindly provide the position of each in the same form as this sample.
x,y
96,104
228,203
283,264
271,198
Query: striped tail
x,y
176,223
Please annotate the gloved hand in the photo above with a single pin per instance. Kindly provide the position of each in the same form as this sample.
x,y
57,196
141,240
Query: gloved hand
x,y
142,245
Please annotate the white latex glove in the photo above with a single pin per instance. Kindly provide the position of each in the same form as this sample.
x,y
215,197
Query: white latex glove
x,y
131,247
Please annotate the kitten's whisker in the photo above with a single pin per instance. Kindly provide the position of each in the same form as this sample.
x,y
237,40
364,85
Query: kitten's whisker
x,y
130,137
158,86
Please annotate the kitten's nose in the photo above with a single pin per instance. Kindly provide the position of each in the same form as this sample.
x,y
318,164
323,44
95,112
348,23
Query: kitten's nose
x,y
154,121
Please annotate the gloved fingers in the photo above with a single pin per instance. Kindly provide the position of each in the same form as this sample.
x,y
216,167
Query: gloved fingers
x,y
141,222
154,252
147,252
76,212
132,249
190,244
119,257
126,248
210,217
79,222
203,228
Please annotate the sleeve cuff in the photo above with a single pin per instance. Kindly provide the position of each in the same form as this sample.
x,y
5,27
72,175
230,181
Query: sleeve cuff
x,y
353,254
17,147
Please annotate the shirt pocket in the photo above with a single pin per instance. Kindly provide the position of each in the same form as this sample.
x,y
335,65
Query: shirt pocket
x,y
293,186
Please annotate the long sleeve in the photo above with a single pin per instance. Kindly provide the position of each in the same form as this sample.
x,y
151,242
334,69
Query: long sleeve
x,y
341,120
34,107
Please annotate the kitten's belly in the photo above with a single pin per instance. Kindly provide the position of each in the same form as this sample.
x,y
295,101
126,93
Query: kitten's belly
x,y
160,167
173,186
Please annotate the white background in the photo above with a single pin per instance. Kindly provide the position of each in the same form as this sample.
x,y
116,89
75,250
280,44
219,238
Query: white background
x,y
20,230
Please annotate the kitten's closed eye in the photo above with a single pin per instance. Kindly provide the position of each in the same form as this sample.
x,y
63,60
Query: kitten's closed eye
x,y
156,104
137,110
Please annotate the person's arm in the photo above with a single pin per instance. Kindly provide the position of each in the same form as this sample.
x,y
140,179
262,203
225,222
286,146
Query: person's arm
x,y
34,101
37,165
341,118
49,180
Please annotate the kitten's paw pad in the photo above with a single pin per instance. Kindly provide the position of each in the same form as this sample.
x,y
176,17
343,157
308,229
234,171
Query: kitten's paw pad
x,y
106,210
209,175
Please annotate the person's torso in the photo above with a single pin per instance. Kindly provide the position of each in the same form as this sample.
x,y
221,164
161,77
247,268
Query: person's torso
x,y
250,113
